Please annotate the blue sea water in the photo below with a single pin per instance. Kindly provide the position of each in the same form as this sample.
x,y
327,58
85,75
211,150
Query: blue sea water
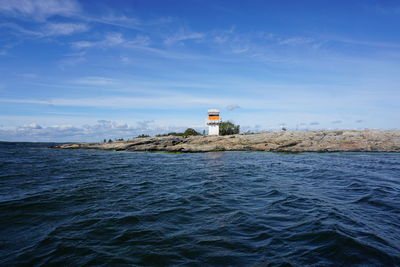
x,y
83,207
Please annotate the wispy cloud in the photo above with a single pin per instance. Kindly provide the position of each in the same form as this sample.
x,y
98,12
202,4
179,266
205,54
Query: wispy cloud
x,y
183,35
52,29
42,10
114,39
233,107
160,102
18,30
124,59
157,97
39,9
296,41
141,43
48,29
125,20
72,59
96,81
120,21
258,46
82,44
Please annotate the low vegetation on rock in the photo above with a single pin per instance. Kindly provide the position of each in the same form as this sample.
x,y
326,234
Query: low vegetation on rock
x,y
142,136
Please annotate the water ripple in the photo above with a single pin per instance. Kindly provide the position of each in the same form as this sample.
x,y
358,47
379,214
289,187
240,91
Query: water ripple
x,y
83,207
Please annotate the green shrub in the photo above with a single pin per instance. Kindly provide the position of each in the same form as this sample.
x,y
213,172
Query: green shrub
x,y
228,128
190,132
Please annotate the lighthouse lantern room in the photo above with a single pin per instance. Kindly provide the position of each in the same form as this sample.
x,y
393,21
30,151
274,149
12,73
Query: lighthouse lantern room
x,y
213,122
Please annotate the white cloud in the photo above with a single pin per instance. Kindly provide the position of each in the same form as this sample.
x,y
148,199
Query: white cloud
x,y
124,59
39,9
114,39
64,28
33,126
103,129
120,21
112,19
183,35
165,99
16,29
31,32
46,30
72,59
96,81
220,39
296,41
121,102
127,22
82,44
232,107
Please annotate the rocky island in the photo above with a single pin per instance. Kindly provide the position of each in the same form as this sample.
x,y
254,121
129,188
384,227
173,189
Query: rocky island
x,y
309,141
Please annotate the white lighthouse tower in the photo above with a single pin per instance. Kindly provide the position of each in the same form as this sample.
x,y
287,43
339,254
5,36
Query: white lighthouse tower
x,y
213,122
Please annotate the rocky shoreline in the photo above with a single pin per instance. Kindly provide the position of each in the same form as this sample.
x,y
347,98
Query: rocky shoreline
x,y
310,141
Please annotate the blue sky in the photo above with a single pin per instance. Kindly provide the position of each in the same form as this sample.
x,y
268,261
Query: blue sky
x,y
87,70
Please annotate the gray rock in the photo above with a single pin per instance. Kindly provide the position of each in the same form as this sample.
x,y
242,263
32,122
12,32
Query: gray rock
x,y
313,141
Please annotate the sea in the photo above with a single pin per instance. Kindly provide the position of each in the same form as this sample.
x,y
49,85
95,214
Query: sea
x,y
106,208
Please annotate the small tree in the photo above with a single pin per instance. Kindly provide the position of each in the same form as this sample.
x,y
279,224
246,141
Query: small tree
x,y
228,128
190,132
142,136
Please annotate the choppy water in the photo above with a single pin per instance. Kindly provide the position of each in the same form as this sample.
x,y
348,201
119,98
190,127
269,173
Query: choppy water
x,y
79,207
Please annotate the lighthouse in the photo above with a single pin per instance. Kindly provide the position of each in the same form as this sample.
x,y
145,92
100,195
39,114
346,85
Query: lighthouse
x,y
213,122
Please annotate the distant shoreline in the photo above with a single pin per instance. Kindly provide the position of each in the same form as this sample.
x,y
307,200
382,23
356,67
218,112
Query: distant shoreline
x,y
310,141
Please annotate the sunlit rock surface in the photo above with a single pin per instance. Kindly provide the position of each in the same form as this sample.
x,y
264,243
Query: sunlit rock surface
x,y
312,141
